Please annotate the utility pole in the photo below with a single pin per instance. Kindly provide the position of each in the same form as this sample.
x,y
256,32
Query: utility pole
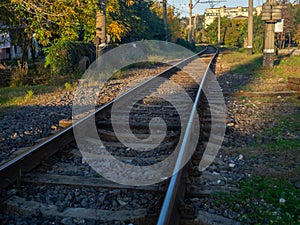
x,y
191,22
271,14
165,19
191,5
100,37
219,27
250,28
212,5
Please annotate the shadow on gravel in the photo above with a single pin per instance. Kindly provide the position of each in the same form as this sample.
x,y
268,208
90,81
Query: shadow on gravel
x,y
24,126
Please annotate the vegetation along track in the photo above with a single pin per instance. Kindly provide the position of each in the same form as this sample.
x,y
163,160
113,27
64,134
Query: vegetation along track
x,y
56,182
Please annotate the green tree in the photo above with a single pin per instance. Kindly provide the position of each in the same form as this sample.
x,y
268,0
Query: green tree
x,y
140,20
258,34
236,33
47,20
175,30
212,30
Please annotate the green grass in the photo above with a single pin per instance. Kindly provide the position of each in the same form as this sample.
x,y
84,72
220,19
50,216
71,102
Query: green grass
x,y
263,201
285,124
286,66
11,96
276,160
241,63
284,134
266,79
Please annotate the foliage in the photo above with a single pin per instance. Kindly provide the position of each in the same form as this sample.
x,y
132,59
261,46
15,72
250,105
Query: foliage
x,y
50,19
212,35
186,44
291,16
68,86
29,94
263,201
175,30
258,34
19,75
62,55
46,21
234,32
137,20
73,20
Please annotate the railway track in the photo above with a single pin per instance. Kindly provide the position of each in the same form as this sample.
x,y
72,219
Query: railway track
x,y
131,160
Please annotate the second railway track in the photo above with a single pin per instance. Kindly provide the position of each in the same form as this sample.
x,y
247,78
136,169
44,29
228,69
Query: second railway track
x,y
56,184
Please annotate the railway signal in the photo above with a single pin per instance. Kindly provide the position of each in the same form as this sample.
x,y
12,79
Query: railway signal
x,y
271,13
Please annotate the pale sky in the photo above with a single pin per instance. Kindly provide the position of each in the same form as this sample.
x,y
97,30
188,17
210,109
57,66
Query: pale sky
x,y
183,5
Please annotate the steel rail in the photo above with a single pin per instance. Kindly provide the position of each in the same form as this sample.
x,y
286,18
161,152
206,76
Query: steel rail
x,y
169,215
10,170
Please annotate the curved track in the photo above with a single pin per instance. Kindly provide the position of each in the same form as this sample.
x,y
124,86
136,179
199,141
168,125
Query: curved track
x,y
54,181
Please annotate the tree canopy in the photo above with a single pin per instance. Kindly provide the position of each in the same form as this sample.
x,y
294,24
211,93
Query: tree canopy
x,y
50,20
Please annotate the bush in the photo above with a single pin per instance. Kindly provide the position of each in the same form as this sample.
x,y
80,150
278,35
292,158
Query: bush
x,y
186,44
19,75
63,56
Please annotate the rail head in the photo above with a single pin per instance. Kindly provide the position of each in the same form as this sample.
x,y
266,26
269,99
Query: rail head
x,y
167,213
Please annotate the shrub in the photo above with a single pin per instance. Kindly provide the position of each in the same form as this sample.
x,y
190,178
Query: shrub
x,y
19,75
186,44
63,56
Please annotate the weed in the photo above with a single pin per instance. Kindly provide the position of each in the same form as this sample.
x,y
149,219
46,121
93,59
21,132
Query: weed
x,y
29,94
263,201
68,86
19,75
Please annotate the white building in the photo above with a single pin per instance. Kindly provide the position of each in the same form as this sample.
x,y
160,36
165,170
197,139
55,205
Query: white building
x,y
7,49
212,13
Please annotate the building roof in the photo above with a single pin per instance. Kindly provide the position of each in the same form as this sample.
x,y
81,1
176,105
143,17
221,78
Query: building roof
x,y
240,17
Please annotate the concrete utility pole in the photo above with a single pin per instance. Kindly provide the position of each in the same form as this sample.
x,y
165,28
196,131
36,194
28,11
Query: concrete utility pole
x,y
250,28
191,22
100,37
165,19
271,14
219,27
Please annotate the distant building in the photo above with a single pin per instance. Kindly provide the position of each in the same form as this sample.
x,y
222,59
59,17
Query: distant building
x,y
231,12
5,45
7,49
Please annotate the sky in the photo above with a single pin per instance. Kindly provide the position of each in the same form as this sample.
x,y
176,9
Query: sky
x,y
182,6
